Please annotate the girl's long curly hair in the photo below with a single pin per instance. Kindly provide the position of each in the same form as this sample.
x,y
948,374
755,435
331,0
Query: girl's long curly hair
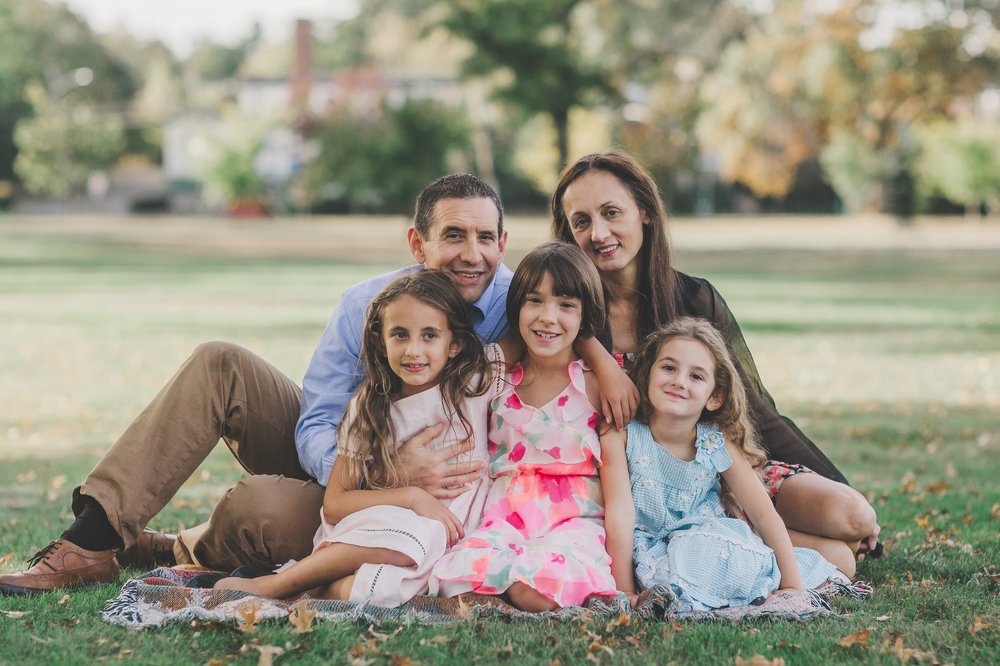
x,y
371,423
732,418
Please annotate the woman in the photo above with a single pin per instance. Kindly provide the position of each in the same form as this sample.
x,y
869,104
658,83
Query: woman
x,y
609,205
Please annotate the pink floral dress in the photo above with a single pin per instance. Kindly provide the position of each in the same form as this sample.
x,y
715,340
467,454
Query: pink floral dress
x,y
543,524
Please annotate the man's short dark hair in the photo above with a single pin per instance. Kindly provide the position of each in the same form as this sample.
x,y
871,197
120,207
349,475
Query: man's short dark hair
x,y
454,186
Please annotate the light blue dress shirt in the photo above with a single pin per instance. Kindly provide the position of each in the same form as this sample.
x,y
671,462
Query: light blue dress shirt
x,y
335,370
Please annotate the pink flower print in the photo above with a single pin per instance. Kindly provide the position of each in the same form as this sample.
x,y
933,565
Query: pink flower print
x,y
554,452
513,402
562,401
594,419
517,452
558,558
516,375
558,488
517,549
515,520
600,537
491,446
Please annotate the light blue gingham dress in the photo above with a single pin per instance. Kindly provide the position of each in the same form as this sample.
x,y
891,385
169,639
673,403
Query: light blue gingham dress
x,y
683,537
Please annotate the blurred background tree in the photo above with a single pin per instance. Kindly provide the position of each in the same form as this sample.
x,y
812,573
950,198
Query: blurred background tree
x,y
48,44
745,105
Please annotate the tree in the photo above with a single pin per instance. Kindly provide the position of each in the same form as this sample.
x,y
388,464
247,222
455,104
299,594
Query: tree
x,y
961,161
381,163
44,42
803,77
534,54
61,144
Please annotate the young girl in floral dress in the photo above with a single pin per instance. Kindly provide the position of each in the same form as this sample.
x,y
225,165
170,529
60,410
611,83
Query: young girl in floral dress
x,y
541,541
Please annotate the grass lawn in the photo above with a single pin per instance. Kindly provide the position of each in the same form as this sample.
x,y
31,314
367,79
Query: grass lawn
x,y
888,356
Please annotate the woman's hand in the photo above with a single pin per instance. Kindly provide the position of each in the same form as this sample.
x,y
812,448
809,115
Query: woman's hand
x,y
424,504
619,398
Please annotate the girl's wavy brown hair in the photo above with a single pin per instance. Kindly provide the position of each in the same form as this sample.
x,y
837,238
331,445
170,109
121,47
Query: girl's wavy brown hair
x,y
371,420
732,418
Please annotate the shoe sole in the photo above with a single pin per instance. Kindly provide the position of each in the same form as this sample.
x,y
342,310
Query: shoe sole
x,y
17,591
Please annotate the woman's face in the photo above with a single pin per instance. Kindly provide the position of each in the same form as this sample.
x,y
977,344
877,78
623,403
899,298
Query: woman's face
x,y
605,221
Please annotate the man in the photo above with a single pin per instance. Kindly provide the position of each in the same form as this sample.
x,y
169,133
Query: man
x,y
283,436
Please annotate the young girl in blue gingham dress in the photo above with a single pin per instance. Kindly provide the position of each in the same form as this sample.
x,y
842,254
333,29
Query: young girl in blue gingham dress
x,y
692,429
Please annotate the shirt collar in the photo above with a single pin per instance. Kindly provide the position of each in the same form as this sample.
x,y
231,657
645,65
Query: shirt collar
x,y
481,306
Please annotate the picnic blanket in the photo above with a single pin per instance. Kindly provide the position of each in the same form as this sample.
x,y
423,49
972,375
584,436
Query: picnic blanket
x,y
171,595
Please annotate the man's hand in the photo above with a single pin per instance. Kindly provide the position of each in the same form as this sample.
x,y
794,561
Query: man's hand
x,y
437,471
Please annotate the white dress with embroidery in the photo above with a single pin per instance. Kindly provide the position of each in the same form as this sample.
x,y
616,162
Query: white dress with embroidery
x,y
422,539
685,540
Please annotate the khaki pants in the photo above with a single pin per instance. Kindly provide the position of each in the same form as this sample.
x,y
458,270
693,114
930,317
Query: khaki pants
x,y
221,392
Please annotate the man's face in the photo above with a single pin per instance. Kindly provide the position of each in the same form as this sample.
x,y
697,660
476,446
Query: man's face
x,y
463,241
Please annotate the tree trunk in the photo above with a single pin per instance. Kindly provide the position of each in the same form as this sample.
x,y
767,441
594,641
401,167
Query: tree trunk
x,y
561,121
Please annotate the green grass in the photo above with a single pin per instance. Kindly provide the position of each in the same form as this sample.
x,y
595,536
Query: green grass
x,y
889,359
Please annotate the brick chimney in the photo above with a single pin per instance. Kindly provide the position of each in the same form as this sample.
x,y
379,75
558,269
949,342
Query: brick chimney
x,y
302,65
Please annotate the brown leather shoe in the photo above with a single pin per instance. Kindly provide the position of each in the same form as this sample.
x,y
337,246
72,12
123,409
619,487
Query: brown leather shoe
x,y
151,549
62,564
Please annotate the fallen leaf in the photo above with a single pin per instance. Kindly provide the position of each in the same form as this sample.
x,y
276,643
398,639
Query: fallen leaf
x,y
623,620
860,638
380,636
676,626
506,651
464,610
882,618
247,622
6,558
396,660
63,601
14,614
301,617
922,520
759,660
268,653
995,511
909,483
440,639
905,654
937,487
978,625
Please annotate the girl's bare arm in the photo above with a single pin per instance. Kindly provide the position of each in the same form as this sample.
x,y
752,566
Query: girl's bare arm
x,y
619,512
750,493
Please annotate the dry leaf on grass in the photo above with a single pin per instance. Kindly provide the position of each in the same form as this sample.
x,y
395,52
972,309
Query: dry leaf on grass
x,y
759,660
63,601
440,639
905,654
268,653
301,616
860,638
978,625
995,511
6,558
13,614
909,483
247,621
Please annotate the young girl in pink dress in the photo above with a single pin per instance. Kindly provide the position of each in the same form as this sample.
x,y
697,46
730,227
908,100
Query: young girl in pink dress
x,y
423,364
541,541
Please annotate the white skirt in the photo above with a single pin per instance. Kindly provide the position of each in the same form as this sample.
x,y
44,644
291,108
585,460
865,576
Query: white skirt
x,y
421,539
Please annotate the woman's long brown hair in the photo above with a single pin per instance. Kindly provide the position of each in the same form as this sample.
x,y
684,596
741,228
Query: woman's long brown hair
x,y
370,420
657,280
